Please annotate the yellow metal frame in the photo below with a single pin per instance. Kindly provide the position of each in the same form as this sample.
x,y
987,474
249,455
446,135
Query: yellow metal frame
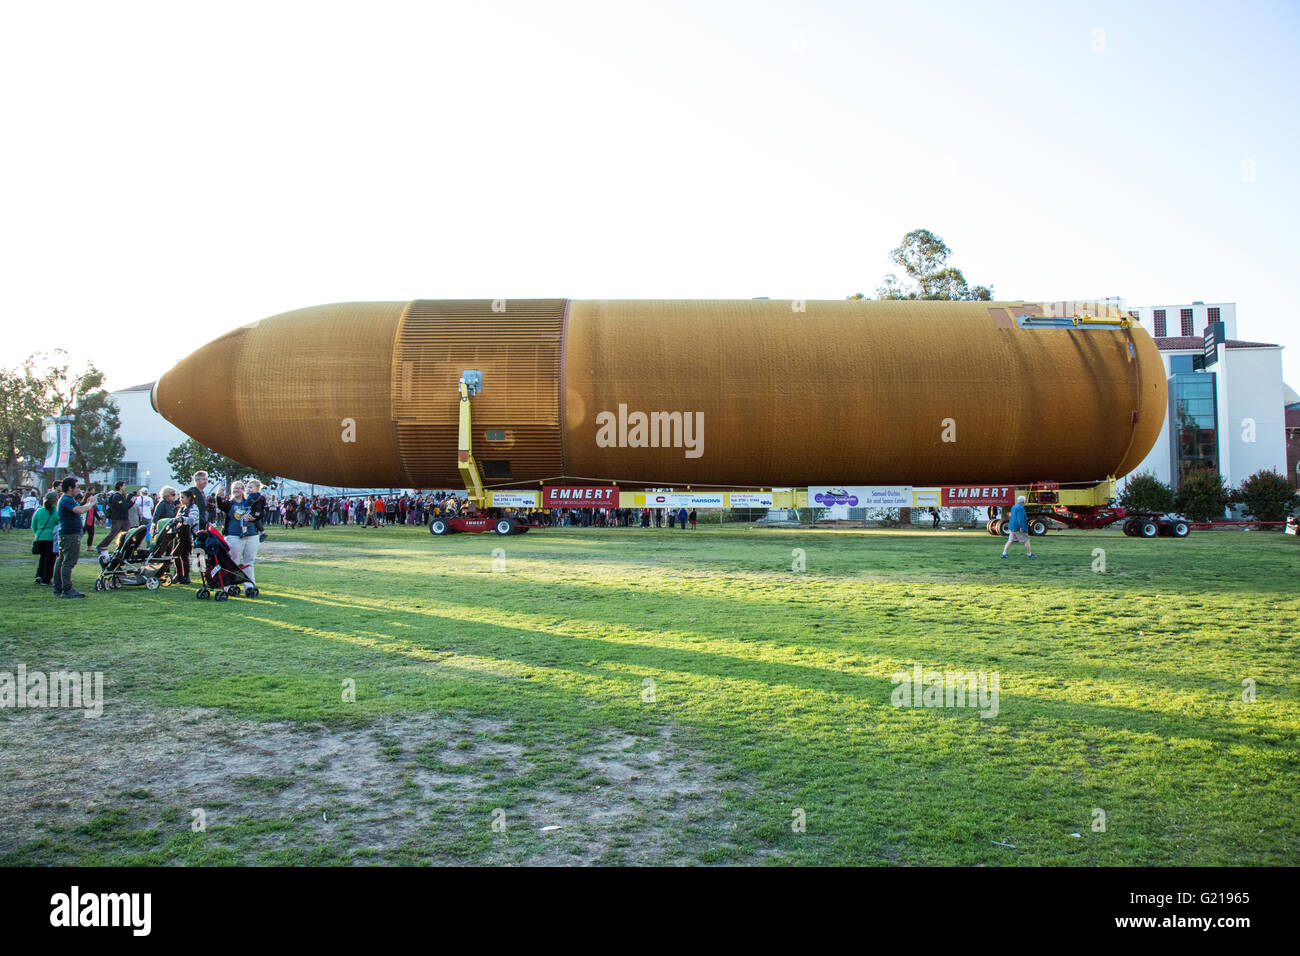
x,y
465,462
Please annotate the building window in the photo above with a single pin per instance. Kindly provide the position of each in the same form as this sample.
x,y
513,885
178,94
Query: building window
x,y
1211,315
1160,323
126,471
1194,442
1186,316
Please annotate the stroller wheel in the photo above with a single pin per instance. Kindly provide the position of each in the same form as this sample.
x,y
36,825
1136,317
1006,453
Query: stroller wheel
x,y
99,584
202,594
252,592
220,596
151,584
115,584
233,590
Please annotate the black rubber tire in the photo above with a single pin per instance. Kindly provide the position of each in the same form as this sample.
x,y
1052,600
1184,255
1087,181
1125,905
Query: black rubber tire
x,y
1000,527
151,584
232,590
1128,527
439,526
1148,528
220,596
1179,528
203,594
504,526
1037,527
252,592
988,526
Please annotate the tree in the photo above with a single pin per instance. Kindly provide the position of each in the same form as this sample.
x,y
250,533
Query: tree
x,y
23,405
1202,495
95,421
1266,496
189,456
923,257
1146,492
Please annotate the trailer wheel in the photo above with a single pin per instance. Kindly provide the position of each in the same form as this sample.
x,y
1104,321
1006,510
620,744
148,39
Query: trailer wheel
x,y
1000,527
1180,529
988,526
1147,528
504,526
1128,527
1037,527
439,526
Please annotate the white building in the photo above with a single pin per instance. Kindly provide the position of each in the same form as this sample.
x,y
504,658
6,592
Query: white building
x,y
147,437
1226,403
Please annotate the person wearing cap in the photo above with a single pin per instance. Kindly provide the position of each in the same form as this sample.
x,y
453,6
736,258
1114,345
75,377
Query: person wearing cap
x,y
1018,528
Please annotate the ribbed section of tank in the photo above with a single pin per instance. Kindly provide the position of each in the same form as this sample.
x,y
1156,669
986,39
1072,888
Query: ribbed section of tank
x,y
746,393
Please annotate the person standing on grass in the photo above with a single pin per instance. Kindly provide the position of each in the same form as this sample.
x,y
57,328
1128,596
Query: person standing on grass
x,y
188,515
200,480
681,518
45,524
70,518
119,510
1018,526
693,516
240,531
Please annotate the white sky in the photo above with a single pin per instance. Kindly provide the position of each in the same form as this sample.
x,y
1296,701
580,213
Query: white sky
x,y
169,171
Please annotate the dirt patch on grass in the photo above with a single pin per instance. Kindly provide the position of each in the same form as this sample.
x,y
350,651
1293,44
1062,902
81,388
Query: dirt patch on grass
x,y
410,787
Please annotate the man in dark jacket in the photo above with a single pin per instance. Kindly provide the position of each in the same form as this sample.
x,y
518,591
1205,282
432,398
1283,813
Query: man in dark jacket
x,y
119,510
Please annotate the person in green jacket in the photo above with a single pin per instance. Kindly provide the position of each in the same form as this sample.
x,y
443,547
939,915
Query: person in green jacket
x,y
44,521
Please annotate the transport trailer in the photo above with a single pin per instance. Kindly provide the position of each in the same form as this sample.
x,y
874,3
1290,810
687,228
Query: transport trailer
x,y
1048,505
478,522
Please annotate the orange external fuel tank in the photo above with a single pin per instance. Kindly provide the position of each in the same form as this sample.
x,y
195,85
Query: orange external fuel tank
x,y
737,393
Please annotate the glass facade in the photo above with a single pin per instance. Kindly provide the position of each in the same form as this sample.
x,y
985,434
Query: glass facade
x,y
1194,442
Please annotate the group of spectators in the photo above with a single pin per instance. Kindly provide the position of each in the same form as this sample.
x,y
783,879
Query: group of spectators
x,y
67,512
612,517
370,511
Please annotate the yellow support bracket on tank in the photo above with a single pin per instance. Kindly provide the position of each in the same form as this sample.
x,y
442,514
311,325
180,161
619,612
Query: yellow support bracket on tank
x,y
465,462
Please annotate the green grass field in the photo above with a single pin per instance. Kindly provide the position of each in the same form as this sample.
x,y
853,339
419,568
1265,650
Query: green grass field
x,y
656,696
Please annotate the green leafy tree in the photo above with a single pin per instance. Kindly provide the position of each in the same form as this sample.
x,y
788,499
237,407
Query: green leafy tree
x,y
1146,492
190,456
923,257
24,402
1266,496
80,396
1202,495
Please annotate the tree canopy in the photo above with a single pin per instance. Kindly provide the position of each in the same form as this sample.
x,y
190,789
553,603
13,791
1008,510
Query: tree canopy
x,y
190,456
923,257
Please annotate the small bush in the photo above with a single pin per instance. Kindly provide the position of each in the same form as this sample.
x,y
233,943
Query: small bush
x,y
1146,492
1266,496
1202,495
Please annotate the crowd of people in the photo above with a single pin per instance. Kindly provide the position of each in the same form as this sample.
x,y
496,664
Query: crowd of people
x,y
66,513
370,511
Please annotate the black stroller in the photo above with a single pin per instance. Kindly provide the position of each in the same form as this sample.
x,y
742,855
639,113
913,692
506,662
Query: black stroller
x,y
131,562
123,558
222,578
